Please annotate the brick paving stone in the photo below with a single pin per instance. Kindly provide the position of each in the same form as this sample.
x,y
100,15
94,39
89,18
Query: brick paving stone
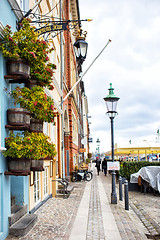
x,y
56,217
95,224
129,225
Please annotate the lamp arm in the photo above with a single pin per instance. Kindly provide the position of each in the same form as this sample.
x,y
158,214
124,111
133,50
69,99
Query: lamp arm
x,y
85,72
29,11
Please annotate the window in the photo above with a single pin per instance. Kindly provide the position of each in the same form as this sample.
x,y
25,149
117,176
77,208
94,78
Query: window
x,y
46,181
45,128
51,168
53,55
58,71
37,192
52,135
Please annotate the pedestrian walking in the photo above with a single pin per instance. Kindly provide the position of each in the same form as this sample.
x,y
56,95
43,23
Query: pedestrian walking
x,y
98,164
104,166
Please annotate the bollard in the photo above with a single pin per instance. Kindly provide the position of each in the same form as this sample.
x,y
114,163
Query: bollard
x,y
126,199
120,189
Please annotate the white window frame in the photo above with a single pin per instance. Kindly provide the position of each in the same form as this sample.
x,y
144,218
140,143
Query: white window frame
x,y
37,187
46,177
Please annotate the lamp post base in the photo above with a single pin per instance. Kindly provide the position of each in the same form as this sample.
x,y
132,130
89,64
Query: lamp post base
x,y
113,198
113,194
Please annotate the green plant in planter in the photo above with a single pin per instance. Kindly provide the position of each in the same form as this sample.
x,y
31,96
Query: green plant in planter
x,y
36,101
25,44
29,145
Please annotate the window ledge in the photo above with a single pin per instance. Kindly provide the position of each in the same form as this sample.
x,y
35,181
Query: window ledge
x,y
2,149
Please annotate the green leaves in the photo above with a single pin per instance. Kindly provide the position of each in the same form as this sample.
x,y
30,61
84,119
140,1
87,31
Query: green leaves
x,y
36,101
25,44
128,168
29,145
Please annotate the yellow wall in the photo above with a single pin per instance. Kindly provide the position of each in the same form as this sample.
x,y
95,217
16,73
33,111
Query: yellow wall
x,y
51,184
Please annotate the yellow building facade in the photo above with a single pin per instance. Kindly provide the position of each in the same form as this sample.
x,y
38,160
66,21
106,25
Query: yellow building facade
x,y
42,184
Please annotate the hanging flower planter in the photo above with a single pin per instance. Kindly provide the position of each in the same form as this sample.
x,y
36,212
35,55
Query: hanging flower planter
x,y
28,151
36,125
31,83
37,165
19,165
18,117
18,67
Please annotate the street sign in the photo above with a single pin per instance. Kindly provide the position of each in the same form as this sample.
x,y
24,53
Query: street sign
x,y
84,141
82,150
113,165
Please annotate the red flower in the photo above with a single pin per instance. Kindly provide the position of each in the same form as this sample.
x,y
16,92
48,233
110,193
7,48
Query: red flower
x,y
11,39
51,87
44,42
8,26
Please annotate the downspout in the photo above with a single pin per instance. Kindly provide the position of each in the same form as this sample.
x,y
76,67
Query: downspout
x,y
62,115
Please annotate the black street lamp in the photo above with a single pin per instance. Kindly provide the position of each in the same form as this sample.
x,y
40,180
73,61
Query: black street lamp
x,y
111,103
98,144
80,47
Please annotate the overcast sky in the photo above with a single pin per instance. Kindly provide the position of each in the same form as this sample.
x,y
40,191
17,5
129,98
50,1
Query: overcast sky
x,y
131,62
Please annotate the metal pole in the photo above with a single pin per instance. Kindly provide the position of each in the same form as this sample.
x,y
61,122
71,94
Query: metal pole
x,y
113,194
126,195
62,115
85,72
120,189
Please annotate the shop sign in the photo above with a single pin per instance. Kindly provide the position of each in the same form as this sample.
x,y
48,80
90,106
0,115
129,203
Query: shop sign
x,y
113,165
82,150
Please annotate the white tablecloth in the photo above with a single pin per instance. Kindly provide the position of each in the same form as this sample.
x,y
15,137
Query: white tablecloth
x,y
150,174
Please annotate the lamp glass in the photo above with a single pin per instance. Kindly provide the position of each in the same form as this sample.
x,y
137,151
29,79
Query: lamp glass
x,y
80,47
83,47
111,105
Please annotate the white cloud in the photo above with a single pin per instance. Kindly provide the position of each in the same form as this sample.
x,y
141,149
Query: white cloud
x,y
131,62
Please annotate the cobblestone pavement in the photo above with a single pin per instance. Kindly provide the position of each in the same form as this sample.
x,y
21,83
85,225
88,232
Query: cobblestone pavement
x,y
142,221
56,216
95,224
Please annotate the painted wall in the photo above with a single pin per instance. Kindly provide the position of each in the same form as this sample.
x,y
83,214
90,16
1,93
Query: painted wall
x,y
7,16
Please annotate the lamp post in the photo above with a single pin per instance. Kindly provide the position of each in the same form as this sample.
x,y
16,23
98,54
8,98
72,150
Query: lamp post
x,y
80,47
98,144
111,103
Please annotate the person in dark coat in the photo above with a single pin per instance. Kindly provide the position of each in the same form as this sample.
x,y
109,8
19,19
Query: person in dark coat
x,y
104,166
98,164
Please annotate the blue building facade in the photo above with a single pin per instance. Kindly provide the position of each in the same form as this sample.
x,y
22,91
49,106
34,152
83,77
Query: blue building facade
x,y
10,186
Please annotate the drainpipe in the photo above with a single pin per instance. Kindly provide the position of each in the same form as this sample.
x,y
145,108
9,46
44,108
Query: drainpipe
x,y
62,118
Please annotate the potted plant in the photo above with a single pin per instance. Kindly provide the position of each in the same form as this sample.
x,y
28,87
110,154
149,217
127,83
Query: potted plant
x,y
24,148
23,46
35,100
18,118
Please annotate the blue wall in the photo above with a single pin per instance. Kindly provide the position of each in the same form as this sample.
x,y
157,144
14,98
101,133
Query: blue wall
x,y
17,186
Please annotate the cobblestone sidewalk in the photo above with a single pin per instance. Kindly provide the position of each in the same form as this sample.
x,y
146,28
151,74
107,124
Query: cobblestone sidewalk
x,y
55,217
142,221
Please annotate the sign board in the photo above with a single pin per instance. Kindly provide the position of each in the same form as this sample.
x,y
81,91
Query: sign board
x,y
113,165
82,150
50,28
84,141
90,140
